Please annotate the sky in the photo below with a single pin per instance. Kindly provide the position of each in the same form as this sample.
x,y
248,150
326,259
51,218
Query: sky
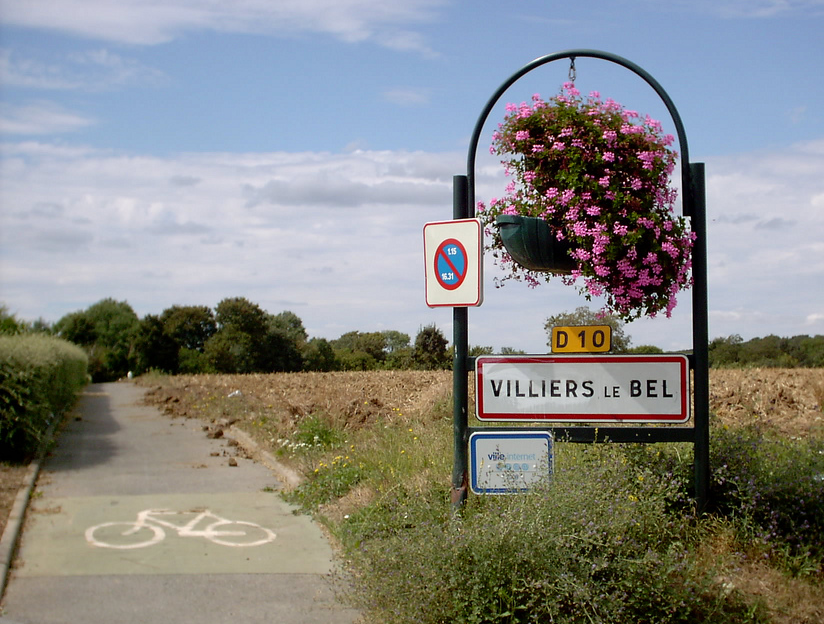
x,y
179,152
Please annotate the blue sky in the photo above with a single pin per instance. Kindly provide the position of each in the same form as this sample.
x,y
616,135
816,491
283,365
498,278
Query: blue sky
x,y
184,151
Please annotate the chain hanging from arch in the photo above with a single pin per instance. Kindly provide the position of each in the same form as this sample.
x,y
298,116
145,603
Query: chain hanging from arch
x,y
572,73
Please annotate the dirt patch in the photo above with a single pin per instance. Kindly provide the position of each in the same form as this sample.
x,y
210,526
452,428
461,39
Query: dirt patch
x,y
269,407
11,480
787,400
790,401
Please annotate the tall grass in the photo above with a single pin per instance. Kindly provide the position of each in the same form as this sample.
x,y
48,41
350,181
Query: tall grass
x,y
39,376
611,537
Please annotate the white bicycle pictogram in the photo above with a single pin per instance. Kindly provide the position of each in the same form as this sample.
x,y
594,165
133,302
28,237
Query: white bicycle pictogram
x,y
149,527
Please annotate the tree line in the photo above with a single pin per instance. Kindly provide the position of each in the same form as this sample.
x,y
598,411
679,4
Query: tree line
x,y
238,336
772,351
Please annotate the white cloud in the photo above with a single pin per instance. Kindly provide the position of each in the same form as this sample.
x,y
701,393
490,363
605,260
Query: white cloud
x,y
89,225
149,22
39,118
816,318
754,9
766,257
337,238
90,70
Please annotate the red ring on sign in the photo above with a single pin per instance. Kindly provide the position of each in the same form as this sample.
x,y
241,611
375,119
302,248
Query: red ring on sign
x,y
441,255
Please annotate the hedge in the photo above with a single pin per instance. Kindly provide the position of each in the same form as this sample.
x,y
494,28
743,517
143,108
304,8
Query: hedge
x,y
40,376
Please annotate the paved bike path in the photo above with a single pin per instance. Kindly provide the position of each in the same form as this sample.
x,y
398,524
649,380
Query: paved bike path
x,y
139,517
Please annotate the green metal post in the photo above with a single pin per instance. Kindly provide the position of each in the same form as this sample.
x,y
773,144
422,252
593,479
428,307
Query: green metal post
x,y
460,369
700,338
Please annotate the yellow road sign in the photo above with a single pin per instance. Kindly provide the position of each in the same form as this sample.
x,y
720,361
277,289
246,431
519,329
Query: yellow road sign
x,y
582,339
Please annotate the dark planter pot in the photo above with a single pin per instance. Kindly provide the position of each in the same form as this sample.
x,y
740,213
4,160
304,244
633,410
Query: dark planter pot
x,y
532,244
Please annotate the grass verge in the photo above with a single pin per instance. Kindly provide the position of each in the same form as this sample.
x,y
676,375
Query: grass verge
x,y
611,537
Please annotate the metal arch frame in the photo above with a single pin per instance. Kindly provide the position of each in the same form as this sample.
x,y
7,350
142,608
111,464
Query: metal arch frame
x,y
694,207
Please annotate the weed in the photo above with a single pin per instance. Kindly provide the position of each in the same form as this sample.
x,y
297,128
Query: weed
x,y
775,487
595,544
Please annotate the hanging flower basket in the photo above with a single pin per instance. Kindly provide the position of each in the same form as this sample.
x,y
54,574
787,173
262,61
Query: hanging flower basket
x,y
598,177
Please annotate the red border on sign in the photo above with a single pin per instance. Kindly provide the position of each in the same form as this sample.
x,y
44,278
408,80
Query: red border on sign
x,y
683,374
434,289
439,254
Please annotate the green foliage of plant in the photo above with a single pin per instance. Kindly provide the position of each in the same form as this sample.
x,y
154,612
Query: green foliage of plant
x,y
156,347
612,537
599,543
430,349
318,355
39,377
333,476
315,430
770,351
328,482
393,458
107,331
775,486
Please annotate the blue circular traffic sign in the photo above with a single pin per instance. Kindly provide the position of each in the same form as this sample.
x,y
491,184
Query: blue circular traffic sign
x,y
450,264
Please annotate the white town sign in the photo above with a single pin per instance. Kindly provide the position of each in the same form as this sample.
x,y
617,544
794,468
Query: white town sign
x,y
583,388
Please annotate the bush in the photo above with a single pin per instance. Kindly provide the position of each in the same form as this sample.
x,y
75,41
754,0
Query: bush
x,y
774,486
39,376
597,544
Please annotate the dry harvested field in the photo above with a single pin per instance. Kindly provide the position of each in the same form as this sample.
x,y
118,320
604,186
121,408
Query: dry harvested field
x,y
790,401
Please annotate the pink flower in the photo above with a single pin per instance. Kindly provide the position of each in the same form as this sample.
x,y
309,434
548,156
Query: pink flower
x,y
609,156
511,209
579,229
595,289
522,135
570,89
671,249
648,158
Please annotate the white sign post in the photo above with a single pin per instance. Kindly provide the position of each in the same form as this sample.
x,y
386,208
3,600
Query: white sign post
x,y
584,388
509,462
453,263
